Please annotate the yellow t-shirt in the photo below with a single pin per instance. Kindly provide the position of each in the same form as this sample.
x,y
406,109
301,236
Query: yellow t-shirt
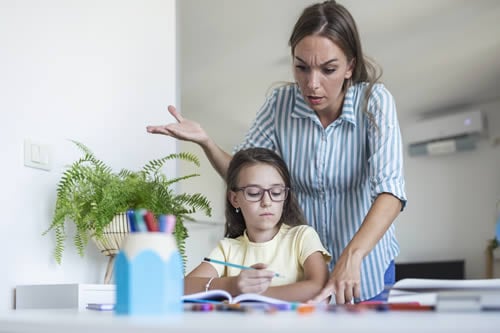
x,y
284,254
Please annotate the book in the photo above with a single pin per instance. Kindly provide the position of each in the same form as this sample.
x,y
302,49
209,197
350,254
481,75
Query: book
x,y
425,285
222,296
100,306
449,295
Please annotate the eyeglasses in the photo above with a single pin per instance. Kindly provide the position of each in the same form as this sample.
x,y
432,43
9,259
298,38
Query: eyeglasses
x,y
256,193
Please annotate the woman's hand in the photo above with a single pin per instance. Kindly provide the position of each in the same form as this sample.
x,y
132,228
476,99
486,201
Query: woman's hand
x,y
254,280
184,129
344,282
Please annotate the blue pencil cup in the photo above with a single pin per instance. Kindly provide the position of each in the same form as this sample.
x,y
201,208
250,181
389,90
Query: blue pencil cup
x,y
149,275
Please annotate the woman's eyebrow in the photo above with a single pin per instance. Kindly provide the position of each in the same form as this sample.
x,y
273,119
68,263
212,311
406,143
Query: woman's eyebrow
x,y
323,64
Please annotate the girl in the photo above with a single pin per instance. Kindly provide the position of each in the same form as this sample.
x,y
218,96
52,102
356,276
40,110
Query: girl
x,y
265,229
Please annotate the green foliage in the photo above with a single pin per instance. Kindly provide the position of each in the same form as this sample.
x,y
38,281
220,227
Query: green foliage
x,y
90,194
493,244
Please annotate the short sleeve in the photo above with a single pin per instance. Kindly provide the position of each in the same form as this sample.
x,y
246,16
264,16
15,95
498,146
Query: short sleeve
x,y
218,253
385,146
262,131
308,242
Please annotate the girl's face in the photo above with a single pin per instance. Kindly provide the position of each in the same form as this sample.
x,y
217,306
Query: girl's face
x,y
261,216
320,68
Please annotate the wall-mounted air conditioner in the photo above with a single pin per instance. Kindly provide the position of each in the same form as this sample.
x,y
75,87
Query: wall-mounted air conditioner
x,y
444,134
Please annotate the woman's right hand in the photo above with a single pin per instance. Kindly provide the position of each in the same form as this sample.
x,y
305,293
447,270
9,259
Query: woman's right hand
x,y
184,129
254,280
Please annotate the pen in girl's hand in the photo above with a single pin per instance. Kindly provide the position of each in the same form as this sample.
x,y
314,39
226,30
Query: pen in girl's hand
x,y
225,263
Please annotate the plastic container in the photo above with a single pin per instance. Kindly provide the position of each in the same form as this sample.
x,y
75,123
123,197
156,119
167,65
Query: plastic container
x,y
149,275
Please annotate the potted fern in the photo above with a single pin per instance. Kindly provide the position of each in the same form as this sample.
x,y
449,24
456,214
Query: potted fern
x,y
92,196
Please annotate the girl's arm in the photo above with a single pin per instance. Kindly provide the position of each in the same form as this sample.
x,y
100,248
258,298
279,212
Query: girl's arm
x,y
248,281
315,277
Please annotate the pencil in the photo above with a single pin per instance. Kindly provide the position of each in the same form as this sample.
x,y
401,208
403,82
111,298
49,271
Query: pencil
x,y
225,263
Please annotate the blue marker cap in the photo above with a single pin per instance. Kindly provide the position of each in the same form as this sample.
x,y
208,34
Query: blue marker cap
x,y
131,220
162,222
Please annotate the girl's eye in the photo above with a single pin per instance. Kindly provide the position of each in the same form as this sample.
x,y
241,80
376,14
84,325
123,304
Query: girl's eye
x,y
300,67
329,70
276,192
254,193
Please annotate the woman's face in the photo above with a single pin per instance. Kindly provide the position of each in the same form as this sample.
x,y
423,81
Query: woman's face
x,y
320,68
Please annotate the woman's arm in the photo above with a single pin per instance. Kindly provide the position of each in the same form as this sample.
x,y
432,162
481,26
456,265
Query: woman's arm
x,y
345,279
315,277
387,190
189,130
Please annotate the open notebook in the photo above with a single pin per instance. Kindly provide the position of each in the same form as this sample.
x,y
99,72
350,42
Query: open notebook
x,y
217,295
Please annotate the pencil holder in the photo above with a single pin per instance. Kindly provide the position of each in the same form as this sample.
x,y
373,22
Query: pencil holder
x,y
149,275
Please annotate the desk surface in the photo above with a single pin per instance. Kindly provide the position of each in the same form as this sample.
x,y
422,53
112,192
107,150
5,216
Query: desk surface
x,y
56,321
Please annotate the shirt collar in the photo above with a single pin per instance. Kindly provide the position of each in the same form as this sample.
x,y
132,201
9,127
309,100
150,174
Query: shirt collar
x,y
302,110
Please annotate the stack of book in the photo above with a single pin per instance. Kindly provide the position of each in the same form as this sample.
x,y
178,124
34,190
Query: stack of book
x,y
449,295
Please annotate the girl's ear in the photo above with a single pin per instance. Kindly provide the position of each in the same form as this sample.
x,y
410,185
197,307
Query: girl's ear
x,y
233,199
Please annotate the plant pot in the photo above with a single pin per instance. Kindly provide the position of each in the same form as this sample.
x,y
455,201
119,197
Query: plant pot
x,y
111,241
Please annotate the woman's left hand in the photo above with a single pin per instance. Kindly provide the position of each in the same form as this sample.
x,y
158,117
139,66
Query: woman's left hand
x,y
344,282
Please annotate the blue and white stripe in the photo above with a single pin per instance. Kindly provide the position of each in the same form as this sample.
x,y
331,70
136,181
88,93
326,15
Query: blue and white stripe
x,y
338,171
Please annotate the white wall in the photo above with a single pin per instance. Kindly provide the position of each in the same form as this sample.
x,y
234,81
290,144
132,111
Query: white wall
x,y
93,71
452,199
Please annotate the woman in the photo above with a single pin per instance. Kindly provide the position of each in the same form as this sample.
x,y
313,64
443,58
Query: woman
x,y
337,130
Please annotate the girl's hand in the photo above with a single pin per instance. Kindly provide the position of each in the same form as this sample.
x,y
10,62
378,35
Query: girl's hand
x,y
344,282
254,280
184,129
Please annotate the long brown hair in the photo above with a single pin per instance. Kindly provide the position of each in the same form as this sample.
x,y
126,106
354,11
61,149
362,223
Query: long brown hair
x,y
292,214
333,21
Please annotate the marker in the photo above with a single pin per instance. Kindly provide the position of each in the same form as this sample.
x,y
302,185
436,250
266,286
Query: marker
x,y
383,306
162,223
410,306
131,220
171,220
139,220
151,224
306,308
234,265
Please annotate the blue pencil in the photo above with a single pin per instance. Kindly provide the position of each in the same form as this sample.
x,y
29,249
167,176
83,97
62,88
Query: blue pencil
x,y
225,263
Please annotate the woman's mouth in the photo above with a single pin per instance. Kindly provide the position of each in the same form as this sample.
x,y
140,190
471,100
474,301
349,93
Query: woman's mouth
x,y
315,100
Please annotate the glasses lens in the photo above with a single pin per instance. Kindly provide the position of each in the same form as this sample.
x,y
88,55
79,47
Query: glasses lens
x,y
255,193
278,193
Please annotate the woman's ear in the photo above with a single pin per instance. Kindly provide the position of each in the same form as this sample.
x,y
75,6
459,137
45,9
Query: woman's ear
x,y
233,199
350,68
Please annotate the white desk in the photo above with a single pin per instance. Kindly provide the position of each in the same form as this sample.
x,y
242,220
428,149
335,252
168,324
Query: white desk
x,y
58,321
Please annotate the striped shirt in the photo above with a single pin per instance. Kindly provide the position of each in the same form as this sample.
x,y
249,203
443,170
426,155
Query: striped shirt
x,y
338,171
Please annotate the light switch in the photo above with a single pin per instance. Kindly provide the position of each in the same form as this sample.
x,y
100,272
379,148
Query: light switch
x,y
37,155
44,155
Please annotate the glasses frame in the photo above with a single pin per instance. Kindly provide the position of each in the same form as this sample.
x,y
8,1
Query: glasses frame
x,y
264,190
